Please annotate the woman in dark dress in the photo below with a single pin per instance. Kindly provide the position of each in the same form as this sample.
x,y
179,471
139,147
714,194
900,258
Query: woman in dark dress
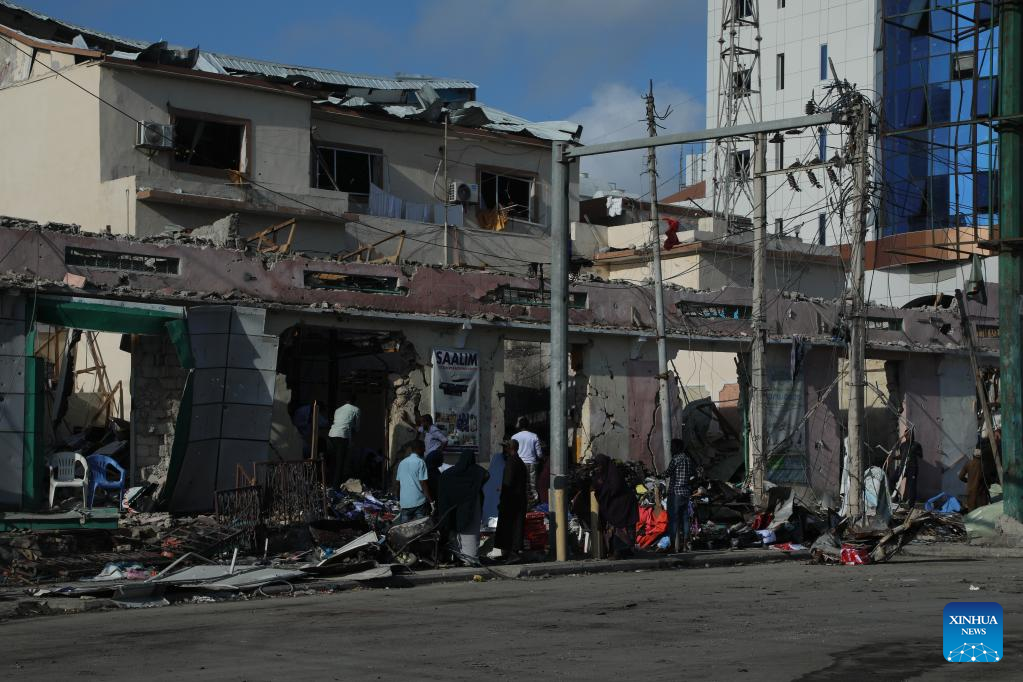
x,y
460,503
511,509
911,453
619,510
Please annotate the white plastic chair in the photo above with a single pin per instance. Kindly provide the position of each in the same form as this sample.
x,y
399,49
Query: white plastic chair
x,y
63,475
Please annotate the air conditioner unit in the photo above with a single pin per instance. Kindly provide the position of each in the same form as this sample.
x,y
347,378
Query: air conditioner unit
x,y
463,193
155,135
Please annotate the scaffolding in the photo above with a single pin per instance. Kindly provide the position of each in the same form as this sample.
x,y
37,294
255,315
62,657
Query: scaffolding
x,y
738,102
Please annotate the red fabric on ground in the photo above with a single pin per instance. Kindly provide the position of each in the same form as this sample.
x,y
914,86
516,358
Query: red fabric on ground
x,y
652,524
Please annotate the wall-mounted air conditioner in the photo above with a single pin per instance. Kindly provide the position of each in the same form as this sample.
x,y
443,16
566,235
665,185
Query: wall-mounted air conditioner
x,y
463,193
154,135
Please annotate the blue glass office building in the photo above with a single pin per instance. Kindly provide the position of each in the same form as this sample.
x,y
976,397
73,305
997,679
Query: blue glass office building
x,y
939,165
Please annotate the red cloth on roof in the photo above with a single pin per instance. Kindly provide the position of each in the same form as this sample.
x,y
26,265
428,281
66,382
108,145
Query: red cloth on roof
x,y
671,234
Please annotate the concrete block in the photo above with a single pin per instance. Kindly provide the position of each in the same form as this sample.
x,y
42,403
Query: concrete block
x,y
12,374
206,422
198,478
12,306
253,352
214,319
75,281
246,421
208,386
11,466
12,412
210,350
248,321
249,387
12,337
239,452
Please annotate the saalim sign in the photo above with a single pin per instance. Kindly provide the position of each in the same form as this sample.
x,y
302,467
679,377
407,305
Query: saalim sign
x,y
456,397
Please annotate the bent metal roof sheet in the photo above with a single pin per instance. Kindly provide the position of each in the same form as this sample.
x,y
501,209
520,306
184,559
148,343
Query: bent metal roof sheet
x,y
470,114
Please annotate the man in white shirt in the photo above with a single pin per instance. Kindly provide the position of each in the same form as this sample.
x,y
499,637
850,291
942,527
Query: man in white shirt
x,y
531,455
339,441
434,439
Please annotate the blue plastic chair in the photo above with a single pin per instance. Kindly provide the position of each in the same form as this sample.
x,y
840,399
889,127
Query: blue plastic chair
x,y
99,466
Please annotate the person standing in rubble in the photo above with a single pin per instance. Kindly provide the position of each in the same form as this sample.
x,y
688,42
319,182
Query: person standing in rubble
x,y
460,505
619,510
910,452
339,440
511,507
413,491
530,452
972,473
436,442
680,488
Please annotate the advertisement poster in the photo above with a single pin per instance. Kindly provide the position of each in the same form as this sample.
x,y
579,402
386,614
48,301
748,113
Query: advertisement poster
x,y
456,397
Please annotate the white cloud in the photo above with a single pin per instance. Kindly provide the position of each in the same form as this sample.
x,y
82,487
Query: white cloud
x,y
617,112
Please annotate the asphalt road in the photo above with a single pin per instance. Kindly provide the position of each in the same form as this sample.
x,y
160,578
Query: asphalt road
x,y
769,622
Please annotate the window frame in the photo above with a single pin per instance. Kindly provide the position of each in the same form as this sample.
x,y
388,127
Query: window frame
x,y
822,228
370,152
245,162
517,174
779,77
824,61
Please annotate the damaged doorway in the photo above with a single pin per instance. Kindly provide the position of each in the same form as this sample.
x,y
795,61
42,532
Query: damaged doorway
x,y
527,369
326,365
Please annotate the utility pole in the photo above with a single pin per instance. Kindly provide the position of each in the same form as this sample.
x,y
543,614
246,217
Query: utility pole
x,y
858,337
758,359
559,347
1010,267
971,344
447,189
655,235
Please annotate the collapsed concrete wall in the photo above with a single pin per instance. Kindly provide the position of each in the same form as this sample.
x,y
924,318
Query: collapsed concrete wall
x,y
157,382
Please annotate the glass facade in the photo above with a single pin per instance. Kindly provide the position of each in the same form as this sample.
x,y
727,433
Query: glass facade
x,y
939,166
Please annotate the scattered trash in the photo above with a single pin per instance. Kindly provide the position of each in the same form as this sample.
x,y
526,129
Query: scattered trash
x,y
974,588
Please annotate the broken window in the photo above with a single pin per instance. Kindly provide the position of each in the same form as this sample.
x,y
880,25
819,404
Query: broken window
x,y
365,283
210,142
742,82
710,310
534,297
889,323
741,163
111,260
511,194
347,170
963,64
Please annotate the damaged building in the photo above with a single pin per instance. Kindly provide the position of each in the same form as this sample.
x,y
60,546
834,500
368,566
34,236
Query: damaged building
x,y
258,237
214,374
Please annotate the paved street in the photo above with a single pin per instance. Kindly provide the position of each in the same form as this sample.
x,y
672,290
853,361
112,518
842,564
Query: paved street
x,y
781,621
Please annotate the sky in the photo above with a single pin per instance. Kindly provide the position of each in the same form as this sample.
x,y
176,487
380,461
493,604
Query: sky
x,y
587,61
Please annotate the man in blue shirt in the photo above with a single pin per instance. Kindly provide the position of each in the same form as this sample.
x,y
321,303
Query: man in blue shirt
x,y
414,493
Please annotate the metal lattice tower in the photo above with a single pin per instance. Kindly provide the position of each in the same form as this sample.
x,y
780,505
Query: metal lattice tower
x,y
738,102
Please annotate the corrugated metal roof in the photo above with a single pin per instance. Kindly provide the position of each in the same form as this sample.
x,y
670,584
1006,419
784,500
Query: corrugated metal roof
x,y
81,29
354,80
470,114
